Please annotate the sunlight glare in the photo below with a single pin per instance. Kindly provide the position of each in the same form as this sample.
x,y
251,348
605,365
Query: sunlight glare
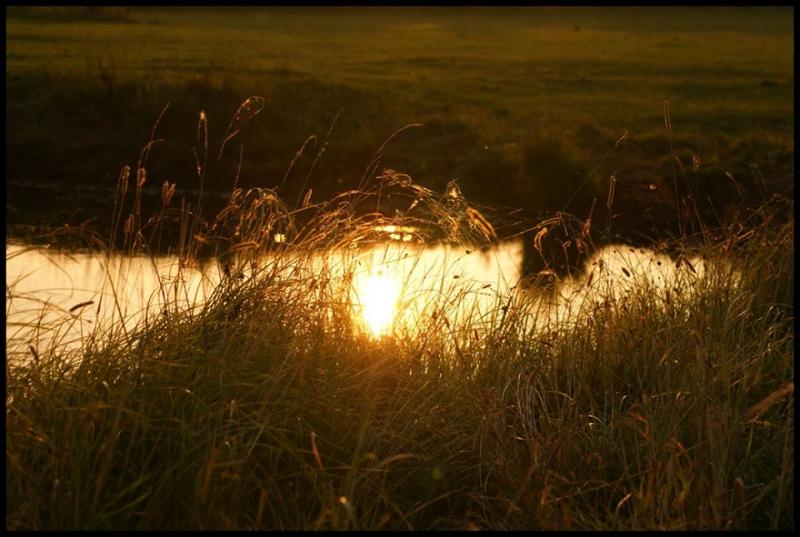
x,y
378,294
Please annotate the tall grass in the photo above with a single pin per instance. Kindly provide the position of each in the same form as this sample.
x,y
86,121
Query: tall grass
x,y
270,407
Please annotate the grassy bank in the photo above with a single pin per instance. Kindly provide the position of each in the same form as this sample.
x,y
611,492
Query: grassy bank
x,y
512,101
270,408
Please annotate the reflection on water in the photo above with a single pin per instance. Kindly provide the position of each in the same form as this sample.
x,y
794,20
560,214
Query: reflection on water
x,y
55,298
394,287
377,293
614,271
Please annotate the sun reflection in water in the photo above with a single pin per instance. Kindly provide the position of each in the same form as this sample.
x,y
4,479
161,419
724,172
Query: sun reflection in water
x,y
377,293
394,288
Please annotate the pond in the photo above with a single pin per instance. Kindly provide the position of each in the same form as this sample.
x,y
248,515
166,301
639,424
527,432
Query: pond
x,y
57,298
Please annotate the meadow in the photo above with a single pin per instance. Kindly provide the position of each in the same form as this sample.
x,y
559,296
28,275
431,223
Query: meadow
x,y
524,106
275,403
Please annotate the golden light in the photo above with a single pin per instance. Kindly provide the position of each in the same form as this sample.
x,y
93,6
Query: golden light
x,y
398,233
377,294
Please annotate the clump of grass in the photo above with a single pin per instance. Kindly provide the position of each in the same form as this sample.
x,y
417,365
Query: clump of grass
x,y
268,407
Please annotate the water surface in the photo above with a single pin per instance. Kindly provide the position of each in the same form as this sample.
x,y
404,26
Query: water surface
x,y
55,298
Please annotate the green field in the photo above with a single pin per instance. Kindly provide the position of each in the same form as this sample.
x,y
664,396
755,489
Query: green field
x,y
515,102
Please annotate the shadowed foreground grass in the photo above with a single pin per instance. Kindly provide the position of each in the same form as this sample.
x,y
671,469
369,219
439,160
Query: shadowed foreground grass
x,y
269,408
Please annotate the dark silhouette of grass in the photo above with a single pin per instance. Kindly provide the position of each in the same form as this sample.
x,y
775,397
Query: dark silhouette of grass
x,y
269,408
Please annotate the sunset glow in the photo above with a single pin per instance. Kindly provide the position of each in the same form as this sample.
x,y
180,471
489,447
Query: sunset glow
x,y
377,294
351,268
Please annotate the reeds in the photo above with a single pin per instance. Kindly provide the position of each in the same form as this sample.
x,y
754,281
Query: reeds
x,y
268,407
